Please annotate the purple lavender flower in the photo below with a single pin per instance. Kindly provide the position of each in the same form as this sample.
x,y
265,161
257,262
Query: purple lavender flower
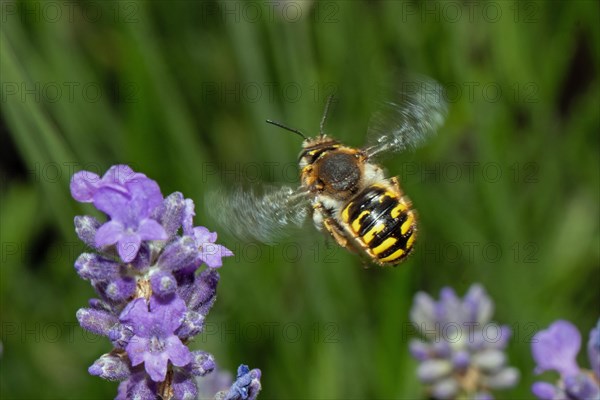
x,y
463,355
154,342
210,252
556,349
129,212
153,292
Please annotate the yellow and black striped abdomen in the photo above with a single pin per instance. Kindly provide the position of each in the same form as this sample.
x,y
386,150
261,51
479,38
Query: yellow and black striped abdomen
x,y
382,223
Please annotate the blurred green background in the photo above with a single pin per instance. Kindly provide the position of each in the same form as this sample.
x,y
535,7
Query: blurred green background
x,y
507,193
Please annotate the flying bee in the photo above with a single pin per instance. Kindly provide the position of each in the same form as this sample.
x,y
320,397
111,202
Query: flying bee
x,y
344,189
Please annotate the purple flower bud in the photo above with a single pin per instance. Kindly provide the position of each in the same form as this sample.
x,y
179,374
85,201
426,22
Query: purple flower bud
x,y
170,213
503,379
499,341
489,360
449,308
184,387
204,291
431,370
91,266
422,313
445,389
202,363
86,227
121,288
192,325
163,283
441,348
188,217
98,304
478,306
461,360
140,387
96,321
110,367
419,349
246,386
179,254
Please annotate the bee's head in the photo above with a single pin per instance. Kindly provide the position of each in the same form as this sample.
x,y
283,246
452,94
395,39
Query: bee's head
x,y
328,167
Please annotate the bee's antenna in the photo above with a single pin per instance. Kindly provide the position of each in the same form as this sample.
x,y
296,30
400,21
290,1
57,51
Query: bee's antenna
x,y
322,125
287,128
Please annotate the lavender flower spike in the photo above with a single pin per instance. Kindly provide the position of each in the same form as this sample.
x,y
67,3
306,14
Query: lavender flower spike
x,y
463,356
152,298
556,349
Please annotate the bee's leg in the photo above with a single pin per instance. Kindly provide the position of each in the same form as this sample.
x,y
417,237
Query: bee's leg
x,y
323,219
318,220
335,231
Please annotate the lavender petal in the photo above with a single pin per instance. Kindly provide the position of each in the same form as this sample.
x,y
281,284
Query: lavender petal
x,y
556,348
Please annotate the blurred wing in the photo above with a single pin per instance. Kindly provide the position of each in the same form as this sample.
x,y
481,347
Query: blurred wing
x,y
262,214
417,110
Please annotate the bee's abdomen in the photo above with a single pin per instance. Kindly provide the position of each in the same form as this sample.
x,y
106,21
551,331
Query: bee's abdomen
x,y
382,222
